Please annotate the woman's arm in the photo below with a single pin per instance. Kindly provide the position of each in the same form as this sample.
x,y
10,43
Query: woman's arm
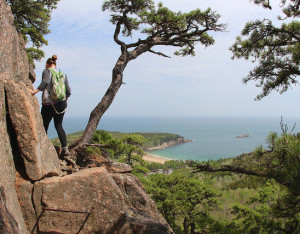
x,y
34,92
45,81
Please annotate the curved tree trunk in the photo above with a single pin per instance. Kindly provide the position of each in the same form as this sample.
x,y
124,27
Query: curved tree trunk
x,y
97,113
117,81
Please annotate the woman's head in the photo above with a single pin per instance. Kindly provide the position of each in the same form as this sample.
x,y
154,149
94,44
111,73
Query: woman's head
x,y
51,62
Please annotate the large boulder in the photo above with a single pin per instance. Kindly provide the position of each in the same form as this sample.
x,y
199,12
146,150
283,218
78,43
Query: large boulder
x,y
8,224
143,215
35,148
25,190
11,218
82,191
38,153
120,207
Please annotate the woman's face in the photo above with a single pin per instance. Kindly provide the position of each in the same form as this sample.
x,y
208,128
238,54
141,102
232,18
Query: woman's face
x,y
47,65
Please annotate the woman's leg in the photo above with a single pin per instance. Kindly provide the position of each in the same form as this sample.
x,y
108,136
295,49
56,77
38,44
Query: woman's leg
x,y
47,115
58,121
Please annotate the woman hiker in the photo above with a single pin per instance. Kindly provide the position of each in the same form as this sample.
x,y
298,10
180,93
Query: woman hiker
x,y
54,108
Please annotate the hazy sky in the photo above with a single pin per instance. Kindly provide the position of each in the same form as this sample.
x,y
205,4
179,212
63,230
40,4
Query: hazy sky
x,y
208,84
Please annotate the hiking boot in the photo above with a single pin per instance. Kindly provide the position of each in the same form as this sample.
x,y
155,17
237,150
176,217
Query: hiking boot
x,y
65,151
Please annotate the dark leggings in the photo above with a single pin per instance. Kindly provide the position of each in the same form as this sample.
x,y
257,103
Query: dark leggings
x,y
48,113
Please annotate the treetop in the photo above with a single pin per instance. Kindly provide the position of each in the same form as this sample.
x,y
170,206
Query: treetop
x,y
162,26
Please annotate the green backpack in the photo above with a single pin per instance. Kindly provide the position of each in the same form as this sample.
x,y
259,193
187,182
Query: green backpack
x,y
58,87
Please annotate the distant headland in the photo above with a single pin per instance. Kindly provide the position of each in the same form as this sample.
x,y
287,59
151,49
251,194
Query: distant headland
x,y
169,144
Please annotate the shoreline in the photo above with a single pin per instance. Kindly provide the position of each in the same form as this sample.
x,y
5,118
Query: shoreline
x,y
154,158
169,144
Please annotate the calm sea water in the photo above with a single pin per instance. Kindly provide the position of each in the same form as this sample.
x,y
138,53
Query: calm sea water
x,y
214,137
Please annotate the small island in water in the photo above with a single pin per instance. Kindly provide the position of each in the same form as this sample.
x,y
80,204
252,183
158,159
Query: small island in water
x,y
243,136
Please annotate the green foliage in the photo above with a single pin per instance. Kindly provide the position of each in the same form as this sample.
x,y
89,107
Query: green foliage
x,y
271,139
155,139
133,153
101,137
282,163
161,25
151,139
31,19
258,152
93,151
277,50
285,162
165,22
140,169
174,164
243,181
134,139
275,208
267,214
126,149
290,8
182,197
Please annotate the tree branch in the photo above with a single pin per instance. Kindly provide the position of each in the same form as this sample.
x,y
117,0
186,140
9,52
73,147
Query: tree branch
x,y
138,43
228,168
118,29
116,34
159,53
287,32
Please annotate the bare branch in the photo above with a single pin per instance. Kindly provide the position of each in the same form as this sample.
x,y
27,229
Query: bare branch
x,y
116,34
139,42
118,29
228,168
159,53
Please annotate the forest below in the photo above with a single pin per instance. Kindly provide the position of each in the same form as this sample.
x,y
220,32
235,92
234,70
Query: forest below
x,y
235,195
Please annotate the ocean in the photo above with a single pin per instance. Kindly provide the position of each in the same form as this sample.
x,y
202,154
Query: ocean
x,y
213,137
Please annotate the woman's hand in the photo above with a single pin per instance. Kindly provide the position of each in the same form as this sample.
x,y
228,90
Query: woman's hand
x,y
34,92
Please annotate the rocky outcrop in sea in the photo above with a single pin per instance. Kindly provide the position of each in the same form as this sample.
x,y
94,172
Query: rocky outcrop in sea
x,y
243,136
172,143
35,195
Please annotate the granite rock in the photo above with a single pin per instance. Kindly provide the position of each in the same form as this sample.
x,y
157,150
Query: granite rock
x,y
118,204
39,155
23,110
83,191
118,167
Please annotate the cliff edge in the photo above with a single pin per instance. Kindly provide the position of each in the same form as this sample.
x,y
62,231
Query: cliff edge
x,y
35,196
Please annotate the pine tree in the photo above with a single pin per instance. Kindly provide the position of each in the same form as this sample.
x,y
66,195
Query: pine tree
x,y
160,27
31,18
184,200
276,49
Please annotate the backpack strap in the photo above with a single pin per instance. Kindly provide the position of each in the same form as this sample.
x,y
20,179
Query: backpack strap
x,y
56,110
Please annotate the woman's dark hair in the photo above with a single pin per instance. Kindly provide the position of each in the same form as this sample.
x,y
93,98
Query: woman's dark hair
x,y
52,60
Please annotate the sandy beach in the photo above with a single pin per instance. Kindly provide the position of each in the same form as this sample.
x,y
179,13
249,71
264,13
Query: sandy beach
x,y
153,158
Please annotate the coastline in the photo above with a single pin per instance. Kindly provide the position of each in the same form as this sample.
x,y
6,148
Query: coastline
x,y
154,158
158,159
169,144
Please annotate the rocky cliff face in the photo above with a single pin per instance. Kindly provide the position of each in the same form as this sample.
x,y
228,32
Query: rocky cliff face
x,y
34,195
